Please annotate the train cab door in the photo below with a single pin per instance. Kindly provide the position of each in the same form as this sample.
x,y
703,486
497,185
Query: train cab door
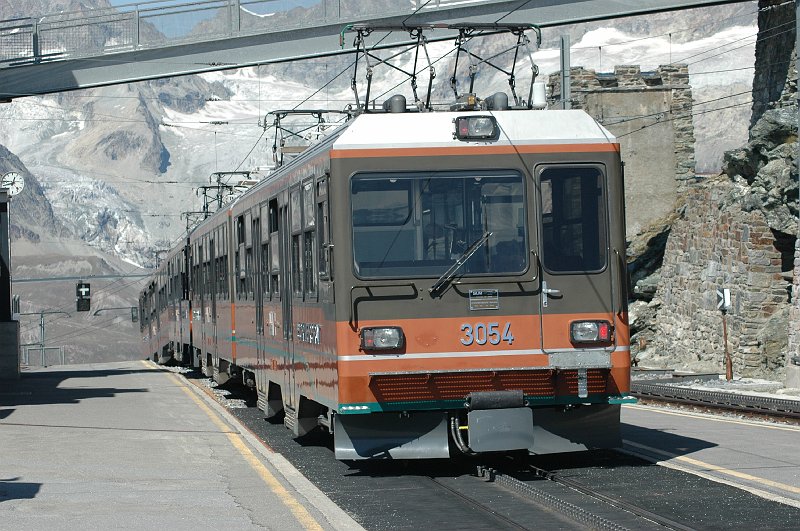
x,y
286,283
575,263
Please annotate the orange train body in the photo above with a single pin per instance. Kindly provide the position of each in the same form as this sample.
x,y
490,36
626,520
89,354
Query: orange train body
x,y
418,293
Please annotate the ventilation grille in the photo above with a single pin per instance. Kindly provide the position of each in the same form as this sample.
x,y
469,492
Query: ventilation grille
x,y
456,386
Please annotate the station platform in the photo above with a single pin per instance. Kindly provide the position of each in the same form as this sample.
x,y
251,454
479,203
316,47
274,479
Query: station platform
x,y
130,446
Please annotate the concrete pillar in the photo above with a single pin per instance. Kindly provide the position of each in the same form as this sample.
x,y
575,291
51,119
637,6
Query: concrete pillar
x,y
5,257
9,330
9,350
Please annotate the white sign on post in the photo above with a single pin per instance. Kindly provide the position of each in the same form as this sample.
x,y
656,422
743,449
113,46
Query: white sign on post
x,y
723,299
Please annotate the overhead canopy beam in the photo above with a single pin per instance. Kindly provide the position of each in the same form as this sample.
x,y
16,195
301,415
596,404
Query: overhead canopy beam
x,y
65,74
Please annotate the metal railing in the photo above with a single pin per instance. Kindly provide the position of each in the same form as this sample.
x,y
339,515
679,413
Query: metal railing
x,y
43,359
160,23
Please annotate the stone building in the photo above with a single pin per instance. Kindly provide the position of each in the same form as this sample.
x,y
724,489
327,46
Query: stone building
x,y
659,163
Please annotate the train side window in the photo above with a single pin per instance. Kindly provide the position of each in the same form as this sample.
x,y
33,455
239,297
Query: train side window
x,y
241,271
574,219
295,212
249,262
169,280
266,289
274,261
213,287
211,267
309,240
225,264
265,266
193,266
256,273
297,279
323,231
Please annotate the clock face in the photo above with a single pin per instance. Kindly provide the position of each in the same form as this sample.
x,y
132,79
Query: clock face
x,y
13,182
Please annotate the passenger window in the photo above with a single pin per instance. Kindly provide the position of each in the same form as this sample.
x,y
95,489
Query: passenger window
x,y
274,262
309,236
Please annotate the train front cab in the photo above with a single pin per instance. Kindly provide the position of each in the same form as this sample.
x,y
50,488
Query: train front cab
x,y
525,346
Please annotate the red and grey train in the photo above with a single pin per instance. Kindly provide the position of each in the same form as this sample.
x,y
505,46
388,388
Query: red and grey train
x,y
421,284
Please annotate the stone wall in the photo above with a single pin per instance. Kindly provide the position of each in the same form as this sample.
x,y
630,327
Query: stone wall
x,y
712,246
658,164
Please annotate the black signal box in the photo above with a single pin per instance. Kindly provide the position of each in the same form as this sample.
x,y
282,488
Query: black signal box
x,y
83,296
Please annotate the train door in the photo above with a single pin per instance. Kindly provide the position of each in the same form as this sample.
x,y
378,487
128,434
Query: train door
x,y
213,250
201,295
286,280
258,291
575,264
265,291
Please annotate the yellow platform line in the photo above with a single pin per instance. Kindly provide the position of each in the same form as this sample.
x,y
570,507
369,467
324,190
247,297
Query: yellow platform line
x,y
300,513
714,468
713,418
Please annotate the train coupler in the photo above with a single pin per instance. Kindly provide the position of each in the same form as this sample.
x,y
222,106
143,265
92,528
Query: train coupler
x,y
499,421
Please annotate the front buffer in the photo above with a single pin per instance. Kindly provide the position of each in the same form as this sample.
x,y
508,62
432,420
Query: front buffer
x,y
494,421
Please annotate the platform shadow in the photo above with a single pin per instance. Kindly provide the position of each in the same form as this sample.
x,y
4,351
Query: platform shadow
x,y
664,441
41,388
12,489
512,462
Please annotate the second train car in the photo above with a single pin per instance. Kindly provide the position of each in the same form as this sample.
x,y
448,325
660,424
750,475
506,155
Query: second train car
x,y
421,284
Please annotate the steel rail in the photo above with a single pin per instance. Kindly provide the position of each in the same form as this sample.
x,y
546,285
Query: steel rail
x,y
619,504
479,505
541,497
717,399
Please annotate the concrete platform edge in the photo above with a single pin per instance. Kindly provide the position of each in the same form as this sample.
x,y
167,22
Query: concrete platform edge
x,y
334,515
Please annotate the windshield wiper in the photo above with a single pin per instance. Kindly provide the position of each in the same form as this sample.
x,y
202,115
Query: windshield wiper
x,y
460,261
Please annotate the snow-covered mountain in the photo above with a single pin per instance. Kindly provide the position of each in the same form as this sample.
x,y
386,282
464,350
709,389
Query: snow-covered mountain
x,y
119,164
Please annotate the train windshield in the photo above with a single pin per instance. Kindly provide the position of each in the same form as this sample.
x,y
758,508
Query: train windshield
x,y
419,224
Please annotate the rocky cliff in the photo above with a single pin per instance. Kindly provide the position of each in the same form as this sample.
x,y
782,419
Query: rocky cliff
x,y
734,231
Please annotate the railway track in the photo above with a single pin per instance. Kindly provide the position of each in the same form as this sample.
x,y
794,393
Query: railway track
x,y
735,402
605,513
593,490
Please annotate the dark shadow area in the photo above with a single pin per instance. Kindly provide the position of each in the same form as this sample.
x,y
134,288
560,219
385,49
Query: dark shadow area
x,y
38,388
233,389
5,413
318,438
663,440
426,468
10,489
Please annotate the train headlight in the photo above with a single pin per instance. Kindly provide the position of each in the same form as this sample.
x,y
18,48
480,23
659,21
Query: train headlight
x,y
477,128
590,331
382,338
